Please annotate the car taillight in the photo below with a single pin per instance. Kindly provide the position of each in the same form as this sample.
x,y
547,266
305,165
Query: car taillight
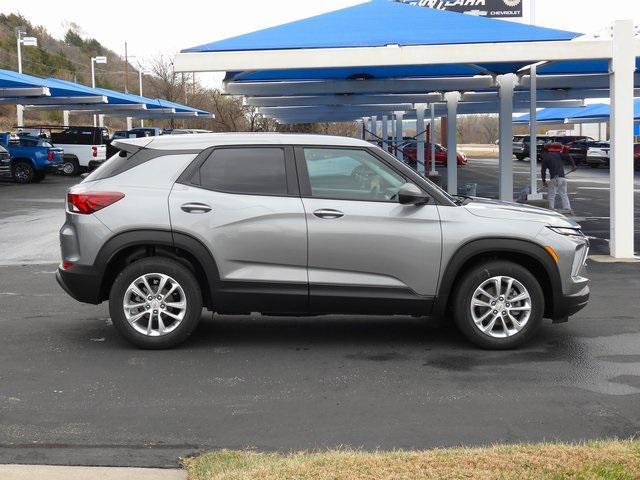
x,y
91,202
95,151
50,155
66,265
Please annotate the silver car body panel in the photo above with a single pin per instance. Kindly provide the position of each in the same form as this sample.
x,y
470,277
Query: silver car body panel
x,y
252,237
375,244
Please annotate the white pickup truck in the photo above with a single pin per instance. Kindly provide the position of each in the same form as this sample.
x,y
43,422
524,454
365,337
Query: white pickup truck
x,y
84,148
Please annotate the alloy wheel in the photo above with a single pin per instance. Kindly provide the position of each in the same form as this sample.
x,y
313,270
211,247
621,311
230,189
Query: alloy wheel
x,y
154,304
500,307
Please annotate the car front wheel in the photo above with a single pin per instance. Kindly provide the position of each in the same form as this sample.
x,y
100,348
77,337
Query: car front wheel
x,y
498,305
155,303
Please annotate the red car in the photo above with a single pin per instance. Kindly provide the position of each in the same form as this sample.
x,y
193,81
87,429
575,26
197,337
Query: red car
x,y
410,150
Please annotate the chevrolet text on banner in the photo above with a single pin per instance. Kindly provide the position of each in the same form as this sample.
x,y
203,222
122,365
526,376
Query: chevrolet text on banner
x,y
485,8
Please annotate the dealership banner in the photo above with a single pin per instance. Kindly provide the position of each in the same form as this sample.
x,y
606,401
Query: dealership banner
x,y
484,8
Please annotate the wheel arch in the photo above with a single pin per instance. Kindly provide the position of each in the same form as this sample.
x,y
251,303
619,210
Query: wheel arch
x,y
528,254
127,247
28,160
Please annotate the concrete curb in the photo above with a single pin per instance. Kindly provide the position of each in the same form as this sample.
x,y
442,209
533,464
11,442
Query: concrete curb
x,y
49,472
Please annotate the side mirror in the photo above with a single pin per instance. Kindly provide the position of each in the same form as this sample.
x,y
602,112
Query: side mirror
x,y
410,194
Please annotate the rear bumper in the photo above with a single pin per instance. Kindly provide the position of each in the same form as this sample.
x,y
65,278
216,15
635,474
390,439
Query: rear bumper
x,y
597,161
81,283
93,164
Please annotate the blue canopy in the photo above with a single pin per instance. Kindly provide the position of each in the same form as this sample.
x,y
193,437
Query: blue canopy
x,y
380,23
57,88
179,107
595,112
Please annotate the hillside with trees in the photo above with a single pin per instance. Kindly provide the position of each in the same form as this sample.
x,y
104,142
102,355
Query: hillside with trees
x,y
69,59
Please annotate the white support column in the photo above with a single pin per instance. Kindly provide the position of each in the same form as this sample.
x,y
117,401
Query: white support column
x,y
365,130
129,123
385,133
65,118
420,166
101,120
374,128
20,115
621,69
533,138
432,140
506,84
399,117
452,99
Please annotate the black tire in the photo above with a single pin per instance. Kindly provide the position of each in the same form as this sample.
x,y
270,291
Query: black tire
x,y
463,295
23,172
70,166
520,158
182,275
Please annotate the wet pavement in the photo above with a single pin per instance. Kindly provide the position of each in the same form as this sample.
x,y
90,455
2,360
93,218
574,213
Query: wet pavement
x,y
73,392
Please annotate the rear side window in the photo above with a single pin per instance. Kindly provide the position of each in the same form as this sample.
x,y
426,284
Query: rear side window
x,y
253,171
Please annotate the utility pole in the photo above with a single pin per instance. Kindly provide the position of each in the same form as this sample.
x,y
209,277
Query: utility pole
x,y
126,69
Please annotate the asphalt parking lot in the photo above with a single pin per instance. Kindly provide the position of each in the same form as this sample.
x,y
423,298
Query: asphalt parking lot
x,y
73,392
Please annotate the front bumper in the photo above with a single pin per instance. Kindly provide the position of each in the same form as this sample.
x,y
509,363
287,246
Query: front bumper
x,y
568,305
81,283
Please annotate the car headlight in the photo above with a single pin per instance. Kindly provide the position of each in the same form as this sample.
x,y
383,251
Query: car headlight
x,y
567,231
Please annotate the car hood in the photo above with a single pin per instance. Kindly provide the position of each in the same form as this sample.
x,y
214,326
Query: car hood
x,y
488,208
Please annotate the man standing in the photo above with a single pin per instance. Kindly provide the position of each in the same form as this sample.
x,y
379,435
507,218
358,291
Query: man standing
x,y
552,160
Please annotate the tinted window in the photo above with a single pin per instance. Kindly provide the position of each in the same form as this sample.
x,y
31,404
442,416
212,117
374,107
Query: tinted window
x,y
257,171
350,175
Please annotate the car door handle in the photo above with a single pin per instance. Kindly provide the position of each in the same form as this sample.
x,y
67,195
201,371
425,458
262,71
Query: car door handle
x,y
195,207
328,213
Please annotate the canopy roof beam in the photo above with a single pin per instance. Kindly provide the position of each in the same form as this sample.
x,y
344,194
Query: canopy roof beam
x,y
276,59
80,100
24,92
97,108
288,101
342,87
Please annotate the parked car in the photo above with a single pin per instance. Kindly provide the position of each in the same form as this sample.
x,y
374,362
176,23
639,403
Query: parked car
x,y
5,162
410,150
307,224
31,157
521,143
598,156
84,147
578,149
139,132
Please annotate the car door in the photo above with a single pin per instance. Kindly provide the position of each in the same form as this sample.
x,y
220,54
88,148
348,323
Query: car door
x,y
367,252
243,204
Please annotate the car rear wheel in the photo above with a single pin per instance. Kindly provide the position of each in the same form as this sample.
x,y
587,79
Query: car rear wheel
x,y
23,172
498,305
155,303
70,167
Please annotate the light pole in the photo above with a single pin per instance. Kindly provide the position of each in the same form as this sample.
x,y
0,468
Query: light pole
x,y
95,60
141,72
27,42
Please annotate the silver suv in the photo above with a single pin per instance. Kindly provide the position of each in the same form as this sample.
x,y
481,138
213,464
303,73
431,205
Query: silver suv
x,y
307,225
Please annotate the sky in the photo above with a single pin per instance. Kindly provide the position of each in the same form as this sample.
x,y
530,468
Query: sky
x,y
162,27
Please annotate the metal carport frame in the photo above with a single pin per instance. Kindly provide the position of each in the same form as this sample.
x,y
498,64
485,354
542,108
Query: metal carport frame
x,y
283,49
